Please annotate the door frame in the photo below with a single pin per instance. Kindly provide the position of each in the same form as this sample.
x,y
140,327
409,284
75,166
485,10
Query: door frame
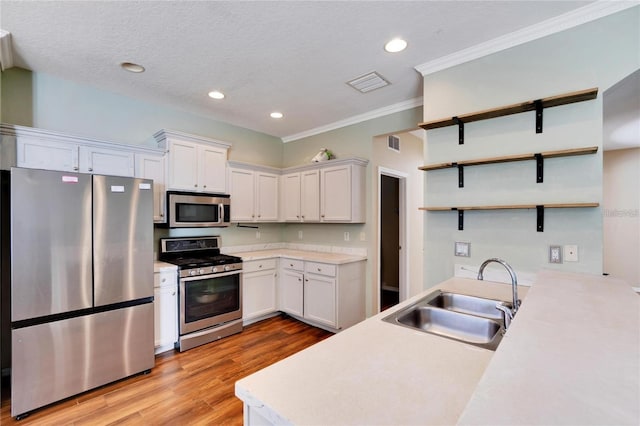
x,y
403,266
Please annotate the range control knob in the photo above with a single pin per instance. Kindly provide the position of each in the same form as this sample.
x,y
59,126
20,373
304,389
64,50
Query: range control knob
x,y
192,272
214,270
227,268
201,271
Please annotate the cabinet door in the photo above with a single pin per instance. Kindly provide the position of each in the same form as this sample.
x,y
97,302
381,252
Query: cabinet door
x,y
165,308
149,166
242,190
266,197
335,194
290,292
258,294
49,155
183,170
320,299
104,161
212,169
310,196
291,197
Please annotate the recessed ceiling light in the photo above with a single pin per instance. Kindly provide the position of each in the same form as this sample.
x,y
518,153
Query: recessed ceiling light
x,y
276,115
131,67
395,45
216,95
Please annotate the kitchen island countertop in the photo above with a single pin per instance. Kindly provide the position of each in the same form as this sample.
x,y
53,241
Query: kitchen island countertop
x,y
571,356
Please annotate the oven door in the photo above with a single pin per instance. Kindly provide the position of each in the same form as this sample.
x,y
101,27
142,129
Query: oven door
x,y
209,300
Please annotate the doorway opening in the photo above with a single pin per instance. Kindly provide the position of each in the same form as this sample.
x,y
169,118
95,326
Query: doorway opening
x,y
392,220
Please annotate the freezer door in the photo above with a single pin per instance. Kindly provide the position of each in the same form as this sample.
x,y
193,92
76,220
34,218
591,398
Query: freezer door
x,y
122,239
50,242
56,360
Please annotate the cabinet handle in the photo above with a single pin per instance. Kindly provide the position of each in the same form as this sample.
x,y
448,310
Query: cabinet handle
x,y
173,294
75,167
90,169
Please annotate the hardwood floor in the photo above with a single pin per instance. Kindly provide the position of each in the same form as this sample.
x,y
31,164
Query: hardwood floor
x,y
190,388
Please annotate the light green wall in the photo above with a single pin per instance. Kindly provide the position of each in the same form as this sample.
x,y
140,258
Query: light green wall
x,y
596,54
47,102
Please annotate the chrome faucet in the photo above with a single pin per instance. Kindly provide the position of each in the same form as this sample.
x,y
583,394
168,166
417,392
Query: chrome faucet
x,y
509,313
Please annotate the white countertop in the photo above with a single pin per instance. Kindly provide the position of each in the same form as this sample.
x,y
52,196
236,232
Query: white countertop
x,y
571,356
159,266
375,373
313,256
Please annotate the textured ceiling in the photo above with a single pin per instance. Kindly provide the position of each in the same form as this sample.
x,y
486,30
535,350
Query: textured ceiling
x,y
290,56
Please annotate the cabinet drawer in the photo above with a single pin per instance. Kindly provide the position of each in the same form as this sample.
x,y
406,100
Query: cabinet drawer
x,y
258,265
296,265
320,269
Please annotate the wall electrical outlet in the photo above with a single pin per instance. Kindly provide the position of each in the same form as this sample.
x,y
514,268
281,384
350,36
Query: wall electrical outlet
x,y
346,236
299,235
257,235
571,253
555,254
363,236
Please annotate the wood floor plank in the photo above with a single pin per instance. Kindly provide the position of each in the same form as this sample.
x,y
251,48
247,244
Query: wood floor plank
x,y
195,387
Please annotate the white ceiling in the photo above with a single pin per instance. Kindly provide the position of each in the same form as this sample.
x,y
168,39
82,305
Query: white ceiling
x,y
290,56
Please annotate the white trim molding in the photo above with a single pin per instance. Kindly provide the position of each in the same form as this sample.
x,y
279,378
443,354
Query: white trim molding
x,y
380,112
591,12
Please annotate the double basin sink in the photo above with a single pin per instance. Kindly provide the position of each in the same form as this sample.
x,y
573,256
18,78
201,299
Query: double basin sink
x,y
469,319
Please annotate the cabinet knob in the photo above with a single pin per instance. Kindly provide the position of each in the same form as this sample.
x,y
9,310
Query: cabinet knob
x,y
163,280
75,167
173,294
90,169
196,185
299,279
319,270
321,215
204,186
259,266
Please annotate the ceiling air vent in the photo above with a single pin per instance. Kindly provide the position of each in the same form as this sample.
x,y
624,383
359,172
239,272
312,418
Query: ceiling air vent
x,y
368,82
394,143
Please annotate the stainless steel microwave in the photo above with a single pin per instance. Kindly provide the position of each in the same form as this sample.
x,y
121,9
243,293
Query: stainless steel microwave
x,y
197,210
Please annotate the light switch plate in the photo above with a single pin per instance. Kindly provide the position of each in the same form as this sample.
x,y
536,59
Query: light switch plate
x,y
555,254
462,249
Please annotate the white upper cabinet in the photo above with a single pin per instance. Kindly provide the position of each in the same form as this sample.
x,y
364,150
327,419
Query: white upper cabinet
x,y
151,166
332,191
194,163
254,193
104,161
42,149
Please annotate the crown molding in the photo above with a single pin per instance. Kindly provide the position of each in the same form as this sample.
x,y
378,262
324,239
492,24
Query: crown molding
x,y
380,112
591,12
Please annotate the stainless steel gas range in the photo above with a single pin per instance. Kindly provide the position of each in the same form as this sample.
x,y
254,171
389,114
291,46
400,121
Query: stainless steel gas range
x,y
210,289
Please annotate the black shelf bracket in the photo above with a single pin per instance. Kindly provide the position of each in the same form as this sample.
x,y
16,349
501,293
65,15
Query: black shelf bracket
x,y
540,224
460,219
460,174
539,168
460,124
539,109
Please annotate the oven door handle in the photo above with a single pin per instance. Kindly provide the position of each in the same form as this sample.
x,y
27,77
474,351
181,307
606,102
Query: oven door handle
x,y
209,276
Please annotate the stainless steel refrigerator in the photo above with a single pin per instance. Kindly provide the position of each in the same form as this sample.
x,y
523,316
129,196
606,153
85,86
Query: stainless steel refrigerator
x,y
81,283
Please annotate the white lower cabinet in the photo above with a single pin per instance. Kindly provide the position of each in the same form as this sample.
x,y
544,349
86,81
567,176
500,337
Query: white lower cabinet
x,y
259,289
165,308
325,295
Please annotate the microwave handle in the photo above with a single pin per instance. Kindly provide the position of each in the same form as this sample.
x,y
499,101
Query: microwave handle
x,y
220,213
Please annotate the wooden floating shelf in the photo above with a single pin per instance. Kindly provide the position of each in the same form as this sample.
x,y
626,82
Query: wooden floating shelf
x,y
509,158
553,101
512,206
539,210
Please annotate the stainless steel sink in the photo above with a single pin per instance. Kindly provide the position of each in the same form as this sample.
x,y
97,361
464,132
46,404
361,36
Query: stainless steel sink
x,y
454,316
468,305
